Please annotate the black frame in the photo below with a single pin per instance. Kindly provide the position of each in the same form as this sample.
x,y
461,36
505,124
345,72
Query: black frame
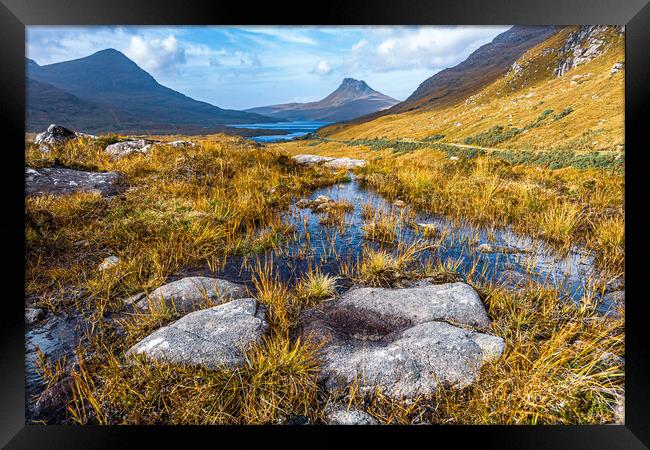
x,y
16,14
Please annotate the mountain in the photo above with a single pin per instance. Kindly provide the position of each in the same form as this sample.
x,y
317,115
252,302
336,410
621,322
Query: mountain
x,y
129,97
564,93
353,98
482,67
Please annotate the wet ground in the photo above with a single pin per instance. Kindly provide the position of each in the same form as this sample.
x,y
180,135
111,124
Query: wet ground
x,y
332,248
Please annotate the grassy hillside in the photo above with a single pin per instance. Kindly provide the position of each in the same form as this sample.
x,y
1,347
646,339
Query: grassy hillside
x,y
581,110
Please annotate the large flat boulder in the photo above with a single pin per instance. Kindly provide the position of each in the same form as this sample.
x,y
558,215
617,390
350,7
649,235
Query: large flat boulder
x,y
334,163
401,341
125,148
191,293
61,181
216,337
451,302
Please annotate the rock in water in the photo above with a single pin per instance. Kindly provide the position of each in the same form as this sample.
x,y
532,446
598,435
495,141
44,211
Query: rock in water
x,y
189,293
341,415
216,337
400,341
33,315
121,149
55,135
60,181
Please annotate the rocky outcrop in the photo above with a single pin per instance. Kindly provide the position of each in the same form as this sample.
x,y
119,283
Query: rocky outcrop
x,y
55,135
580,47
216,337
121,149
334,163
60,181
404,342
190,293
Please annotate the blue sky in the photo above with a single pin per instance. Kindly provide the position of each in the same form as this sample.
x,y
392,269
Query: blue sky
x,y
245,66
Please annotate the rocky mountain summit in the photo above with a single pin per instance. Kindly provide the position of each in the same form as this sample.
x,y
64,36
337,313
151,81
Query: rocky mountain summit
x,y
353,98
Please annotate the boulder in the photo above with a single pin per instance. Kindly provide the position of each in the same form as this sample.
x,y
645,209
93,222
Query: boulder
x,y
216,337
181,144
345,163
121,149
60,181
33,315
341,415
334,163
54,135
401,341
187,294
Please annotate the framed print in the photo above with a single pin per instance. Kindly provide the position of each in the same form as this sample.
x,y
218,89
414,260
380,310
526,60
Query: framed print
x,y
246,218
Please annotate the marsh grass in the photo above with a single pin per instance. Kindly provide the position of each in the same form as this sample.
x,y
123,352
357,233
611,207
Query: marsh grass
x,y
540,202
199,205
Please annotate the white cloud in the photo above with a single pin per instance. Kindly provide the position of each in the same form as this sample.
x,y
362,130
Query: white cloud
x,y
323,67
435,48
286,34
359,45
156,54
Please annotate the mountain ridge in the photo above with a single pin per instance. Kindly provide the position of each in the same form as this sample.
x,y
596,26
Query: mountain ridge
x,y
353,98
110,80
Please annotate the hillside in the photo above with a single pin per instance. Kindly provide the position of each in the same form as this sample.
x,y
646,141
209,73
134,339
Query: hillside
x,y
110,81
564,93
353,98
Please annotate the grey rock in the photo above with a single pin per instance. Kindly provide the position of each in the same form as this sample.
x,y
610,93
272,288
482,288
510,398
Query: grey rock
x,y
108,263
60,181
580,47
345,163
334,163
399,341
187,294
55,135
617,67
491,248
86,136
452,302
121,149
33,315
181,144
215,337
341,415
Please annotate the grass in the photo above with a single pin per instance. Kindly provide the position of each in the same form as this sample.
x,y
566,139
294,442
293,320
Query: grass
x,y
556,175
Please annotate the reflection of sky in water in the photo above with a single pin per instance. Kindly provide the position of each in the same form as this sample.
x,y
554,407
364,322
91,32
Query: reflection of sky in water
x,y
328,247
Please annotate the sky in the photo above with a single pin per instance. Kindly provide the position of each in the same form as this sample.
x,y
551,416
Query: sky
x,y
246,66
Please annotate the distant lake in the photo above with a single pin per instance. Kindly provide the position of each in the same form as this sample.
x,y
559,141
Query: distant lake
x,y
295,130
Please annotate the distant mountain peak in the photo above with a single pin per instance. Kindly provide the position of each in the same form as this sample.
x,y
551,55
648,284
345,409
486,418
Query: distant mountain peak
x,y
355,85
353,98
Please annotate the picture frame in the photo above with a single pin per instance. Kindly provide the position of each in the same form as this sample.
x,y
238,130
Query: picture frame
x,y
15,15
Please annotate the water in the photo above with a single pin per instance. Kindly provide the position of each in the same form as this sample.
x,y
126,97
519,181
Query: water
x,y
331,247
296,129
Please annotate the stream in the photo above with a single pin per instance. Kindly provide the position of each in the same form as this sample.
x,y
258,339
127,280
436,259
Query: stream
x,y
331,248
